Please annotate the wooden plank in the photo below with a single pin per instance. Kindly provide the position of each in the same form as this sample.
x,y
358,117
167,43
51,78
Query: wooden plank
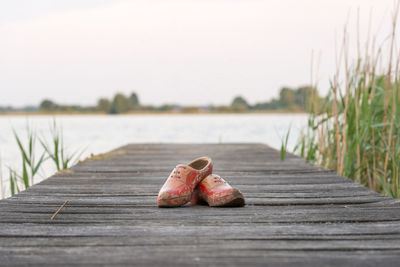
x,y
296,214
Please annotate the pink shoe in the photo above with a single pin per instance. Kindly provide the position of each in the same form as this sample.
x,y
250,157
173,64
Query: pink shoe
x,y
216,192
182,181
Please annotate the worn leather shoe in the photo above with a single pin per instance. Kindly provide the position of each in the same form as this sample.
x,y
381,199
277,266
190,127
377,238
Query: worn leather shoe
x,y
182,181
216,192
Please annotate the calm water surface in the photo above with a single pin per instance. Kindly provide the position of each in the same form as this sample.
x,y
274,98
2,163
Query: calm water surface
x,y
98,133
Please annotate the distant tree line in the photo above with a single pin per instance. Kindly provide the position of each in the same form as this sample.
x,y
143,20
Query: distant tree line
x,y
6,109
119,104
50,106
291,99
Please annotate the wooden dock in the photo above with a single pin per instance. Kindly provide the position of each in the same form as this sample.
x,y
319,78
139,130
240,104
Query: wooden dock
x,y
296,214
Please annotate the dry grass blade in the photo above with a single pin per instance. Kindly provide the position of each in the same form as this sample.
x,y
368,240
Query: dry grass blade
x,y
59,209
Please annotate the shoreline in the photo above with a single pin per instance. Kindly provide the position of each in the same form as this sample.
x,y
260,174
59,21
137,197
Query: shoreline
x,y
139,113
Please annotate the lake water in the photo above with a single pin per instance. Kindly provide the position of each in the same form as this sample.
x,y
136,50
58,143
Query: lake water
x,y
101,133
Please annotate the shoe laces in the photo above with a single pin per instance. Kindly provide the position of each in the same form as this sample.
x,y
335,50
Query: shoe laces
x,y
176,174
219,180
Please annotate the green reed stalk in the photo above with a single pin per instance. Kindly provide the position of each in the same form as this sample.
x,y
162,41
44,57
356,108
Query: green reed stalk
x,y
284,144
30,166
56,149
28,150
13,182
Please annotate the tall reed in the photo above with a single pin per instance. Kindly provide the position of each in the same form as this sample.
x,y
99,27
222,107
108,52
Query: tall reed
x,y
34,154
356,130
56,149
284,144
30,166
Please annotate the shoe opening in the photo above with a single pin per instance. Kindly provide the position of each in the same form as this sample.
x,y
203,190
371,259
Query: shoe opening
x,y
199,164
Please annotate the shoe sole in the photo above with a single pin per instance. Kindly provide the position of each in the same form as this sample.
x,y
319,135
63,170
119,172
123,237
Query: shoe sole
x,y
165,202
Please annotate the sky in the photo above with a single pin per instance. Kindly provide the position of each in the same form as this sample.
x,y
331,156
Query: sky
x,y
188,52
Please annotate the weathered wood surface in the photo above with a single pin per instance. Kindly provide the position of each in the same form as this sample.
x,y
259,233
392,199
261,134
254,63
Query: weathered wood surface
x,y
296,214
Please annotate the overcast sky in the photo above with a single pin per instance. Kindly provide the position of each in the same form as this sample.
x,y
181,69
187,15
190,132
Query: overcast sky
x,y
170,51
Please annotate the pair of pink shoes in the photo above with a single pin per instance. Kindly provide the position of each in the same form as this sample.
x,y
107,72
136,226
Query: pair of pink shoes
x,y
195,182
